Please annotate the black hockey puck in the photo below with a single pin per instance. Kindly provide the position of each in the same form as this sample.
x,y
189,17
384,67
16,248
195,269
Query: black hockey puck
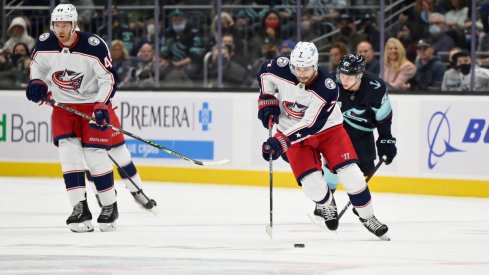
x,y
300,245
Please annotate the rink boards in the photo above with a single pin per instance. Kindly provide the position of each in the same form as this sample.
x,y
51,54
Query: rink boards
x,y
442,141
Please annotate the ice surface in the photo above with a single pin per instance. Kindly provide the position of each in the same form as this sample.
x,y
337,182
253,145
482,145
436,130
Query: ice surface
x,y
213,229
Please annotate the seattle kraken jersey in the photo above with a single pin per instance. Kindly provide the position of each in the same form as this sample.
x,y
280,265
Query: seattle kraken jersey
x,y
305,110
81,73
363,111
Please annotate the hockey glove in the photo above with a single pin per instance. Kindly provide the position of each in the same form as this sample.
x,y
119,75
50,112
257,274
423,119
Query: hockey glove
x,y
387,147
101,114
276,146
268,106
36,90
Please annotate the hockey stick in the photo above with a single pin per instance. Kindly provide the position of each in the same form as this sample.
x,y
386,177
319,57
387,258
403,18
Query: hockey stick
x,y
154,210
269,227
381,161
171,152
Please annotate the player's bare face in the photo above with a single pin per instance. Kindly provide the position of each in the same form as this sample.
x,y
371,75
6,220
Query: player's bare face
x,y
63,31
305,74
349,82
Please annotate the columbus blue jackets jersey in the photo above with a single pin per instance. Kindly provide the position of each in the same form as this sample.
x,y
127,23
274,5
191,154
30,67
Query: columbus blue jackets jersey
x,y
81,73
305,110
364,111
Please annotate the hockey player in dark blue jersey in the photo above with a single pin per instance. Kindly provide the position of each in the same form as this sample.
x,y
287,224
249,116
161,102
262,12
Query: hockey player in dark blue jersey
x,y
366,106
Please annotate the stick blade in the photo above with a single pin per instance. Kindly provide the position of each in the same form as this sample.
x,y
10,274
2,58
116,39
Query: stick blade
x,y
213,163
269,231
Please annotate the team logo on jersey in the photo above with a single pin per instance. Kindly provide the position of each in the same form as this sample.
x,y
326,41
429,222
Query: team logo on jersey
x,y
282,61
44,36
294,109
329,83
94,41
68,80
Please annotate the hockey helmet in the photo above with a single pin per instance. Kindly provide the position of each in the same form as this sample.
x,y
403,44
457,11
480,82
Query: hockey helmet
x,y
64,12
352,64
303,55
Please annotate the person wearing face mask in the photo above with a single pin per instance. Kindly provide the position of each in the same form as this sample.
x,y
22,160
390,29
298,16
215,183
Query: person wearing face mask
x,y
9,75
269,32
429,68
458,78
181,52
442,42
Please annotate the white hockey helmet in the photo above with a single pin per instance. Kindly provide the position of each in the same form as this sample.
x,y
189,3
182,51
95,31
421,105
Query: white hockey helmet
x,y
304,54
64,12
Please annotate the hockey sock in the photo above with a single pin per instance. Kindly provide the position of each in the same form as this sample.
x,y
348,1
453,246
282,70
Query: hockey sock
x,y
75,186
352,178
105,187
130,170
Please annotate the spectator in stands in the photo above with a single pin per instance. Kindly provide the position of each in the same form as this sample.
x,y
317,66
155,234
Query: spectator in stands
x,y
268,50
236,54
366,50
442,42
148,38
336,52
409,40
10,74
286,47
17,32
308,26
456,16
227,26
120,59
120,30
348,33
368,31
429,68
233,73
398,70
142,75
326,10
182,52
458,78
269,32
245,20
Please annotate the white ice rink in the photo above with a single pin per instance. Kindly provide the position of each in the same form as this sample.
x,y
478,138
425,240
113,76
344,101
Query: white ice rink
x,y
212,229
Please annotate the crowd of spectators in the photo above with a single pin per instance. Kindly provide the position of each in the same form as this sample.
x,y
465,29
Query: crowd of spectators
x,y
426,48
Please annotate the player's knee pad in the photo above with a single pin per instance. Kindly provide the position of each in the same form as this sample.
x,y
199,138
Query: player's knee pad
x,y
314,187
71,155
97,160
121,155
352,178
331,179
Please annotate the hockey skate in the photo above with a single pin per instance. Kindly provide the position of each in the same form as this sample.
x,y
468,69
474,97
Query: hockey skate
x,y
375,226
145,202
80,219
329,213
107,217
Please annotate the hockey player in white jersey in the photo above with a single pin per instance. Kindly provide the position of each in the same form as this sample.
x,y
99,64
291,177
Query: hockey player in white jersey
x,y
297,95
76,67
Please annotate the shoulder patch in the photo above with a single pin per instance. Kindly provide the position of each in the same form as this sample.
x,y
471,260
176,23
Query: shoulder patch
x,y
94,41
44,36
329,83
282,61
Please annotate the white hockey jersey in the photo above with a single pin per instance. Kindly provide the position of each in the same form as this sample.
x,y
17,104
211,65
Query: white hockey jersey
x,y
81,73
305,110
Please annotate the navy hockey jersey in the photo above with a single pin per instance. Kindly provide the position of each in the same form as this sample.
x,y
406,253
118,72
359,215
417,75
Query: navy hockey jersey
x,y
81,73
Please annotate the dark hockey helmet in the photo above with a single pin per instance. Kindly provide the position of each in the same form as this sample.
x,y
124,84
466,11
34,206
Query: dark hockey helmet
x,y
351,64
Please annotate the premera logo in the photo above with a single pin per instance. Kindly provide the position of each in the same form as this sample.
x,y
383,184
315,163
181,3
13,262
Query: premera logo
x,y
16,128
439,138
205,116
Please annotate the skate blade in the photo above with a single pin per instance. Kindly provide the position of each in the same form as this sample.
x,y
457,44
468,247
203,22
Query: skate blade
x,y
318,221
384,237
107,227
82,227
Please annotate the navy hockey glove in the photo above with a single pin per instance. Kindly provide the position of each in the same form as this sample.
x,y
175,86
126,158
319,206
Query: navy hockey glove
x,y
268,105
36,90
276,146
101,114
387,147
